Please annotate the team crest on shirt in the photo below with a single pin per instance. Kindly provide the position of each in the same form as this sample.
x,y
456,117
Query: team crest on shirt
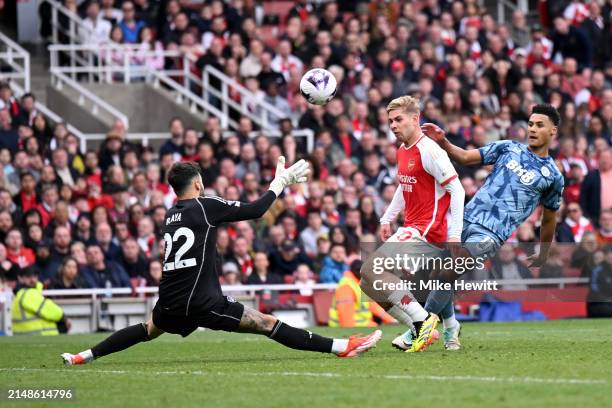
x,y
545,172
411,164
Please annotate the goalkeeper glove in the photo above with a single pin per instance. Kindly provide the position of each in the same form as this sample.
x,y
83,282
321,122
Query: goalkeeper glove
x,y
298,173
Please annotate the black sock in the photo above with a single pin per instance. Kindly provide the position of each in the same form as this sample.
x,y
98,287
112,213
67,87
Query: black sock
x,y
120,340
417,327
300,339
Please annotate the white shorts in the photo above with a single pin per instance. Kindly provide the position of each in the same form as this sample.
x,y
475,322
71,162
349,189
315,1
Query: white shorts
x,y
408,243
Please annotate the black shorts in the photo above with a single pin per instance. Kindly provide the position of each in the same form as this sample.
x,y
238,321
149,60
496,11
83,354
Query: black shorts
x,y
224,315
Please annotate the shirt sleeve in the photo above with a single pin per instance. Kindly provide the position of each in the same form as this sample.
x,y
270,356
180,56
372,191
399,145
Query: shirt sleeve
x,y
218,210
437,163
457,193
552,198
491,152
397,204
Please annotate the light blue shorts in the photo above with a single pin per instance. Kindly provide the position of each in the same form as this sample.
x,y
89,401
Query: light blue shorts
x,y
479,241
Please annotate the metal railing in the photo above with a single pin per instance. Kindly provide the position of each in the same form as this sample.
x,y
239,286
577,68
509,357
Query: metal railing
x,y
506,7
20,79
97,104
143,138
260,112
112,62
47,112
18,59
560,283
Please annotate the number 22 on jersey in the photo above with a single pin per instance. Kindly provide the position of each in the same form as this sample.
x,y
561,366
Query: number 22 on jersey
x,y
179,263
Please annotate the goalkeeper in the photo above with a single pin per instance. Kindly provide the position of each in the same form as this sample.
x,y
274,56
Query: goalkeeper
x,y
189,292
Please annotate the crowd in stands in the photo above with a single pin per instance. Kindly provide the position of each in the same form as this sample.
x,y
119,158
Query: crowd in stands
x,y
88,218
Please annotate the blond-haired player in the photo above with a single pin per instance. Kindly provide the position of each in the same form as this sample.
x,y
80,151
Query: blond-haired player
x,y
428,188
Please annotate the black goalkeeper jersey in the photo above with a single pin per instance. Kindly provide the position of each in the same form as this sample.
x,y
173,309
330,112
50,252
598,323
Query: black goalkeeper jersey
x,y
189,280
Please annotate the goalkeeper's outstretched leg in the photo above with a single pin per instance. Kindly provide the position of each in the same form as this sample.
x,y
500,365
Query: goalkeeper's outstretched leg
x,y
251,321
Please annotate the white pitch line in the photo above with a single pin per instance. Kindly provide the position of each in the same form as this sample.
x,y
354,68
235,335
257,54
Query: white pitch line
x,y
466,378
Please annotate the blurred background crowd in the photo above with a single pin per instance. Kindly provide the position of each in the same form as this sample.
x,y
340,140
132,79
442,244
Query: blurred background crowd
x,y
93,218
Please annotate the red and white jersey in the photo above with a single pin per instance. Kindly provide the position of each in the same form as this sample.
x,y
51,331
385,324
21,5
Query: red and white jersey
x,y
423,171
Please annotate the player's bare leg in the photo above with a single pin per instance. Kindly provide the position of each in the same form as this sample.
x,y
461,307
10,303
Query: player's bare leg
x,y
118,341
256,322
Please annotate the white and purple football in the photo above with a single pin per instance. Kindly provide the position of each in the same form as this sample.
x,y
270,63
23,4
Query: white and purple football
x,y
318,86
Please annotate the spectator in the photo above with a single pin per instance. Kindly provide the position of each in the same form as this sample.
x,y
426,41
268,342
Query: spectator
x,y
146,237
26,198
132,259
104,238
593,198
34,236
286,260
576,223
273,98
583,257
599,299
570,42
334,265
174,145
303,278
284,60
16,253
350,308
101,273
571,194
129,25
519,31
231,274
96,29
77,251
59,249
242,258
32,313
68,276
25,119
8,136
251,64
311,233
8,271
154,273
110,13
553,268
604,233
506,266
261,274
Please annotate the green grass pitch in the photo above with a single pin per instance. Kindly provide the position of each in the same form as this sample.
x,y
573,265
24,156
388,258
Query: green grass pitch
x,y
558,363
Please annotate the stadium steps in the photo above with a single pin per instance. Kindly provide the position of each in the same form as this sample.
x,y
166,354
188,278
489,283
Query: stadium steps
x,y
39,75
149,109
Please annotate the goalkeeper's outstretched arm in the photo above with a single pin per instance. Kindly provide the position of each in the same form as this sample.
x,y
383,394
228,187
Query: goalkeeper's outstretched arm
x,y
219,210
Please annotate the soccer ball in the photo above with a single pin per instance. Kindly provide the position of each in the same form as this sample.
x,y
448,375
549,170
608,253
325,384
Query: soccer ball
x,y
318,86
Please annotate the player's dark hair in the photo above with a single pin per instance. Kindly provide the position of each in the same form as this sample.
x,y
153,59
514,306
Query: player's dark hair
x,y
181,175
548,110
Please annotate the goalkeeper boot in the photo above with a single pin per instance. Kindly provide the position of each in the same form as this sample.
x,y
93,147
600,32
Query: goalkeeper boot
x,y
427,335
359,345
77,359
451,338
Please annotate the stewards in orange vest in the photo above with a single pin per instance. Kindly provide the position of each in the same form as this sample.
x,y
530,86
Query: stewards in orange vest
x,y
351,307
